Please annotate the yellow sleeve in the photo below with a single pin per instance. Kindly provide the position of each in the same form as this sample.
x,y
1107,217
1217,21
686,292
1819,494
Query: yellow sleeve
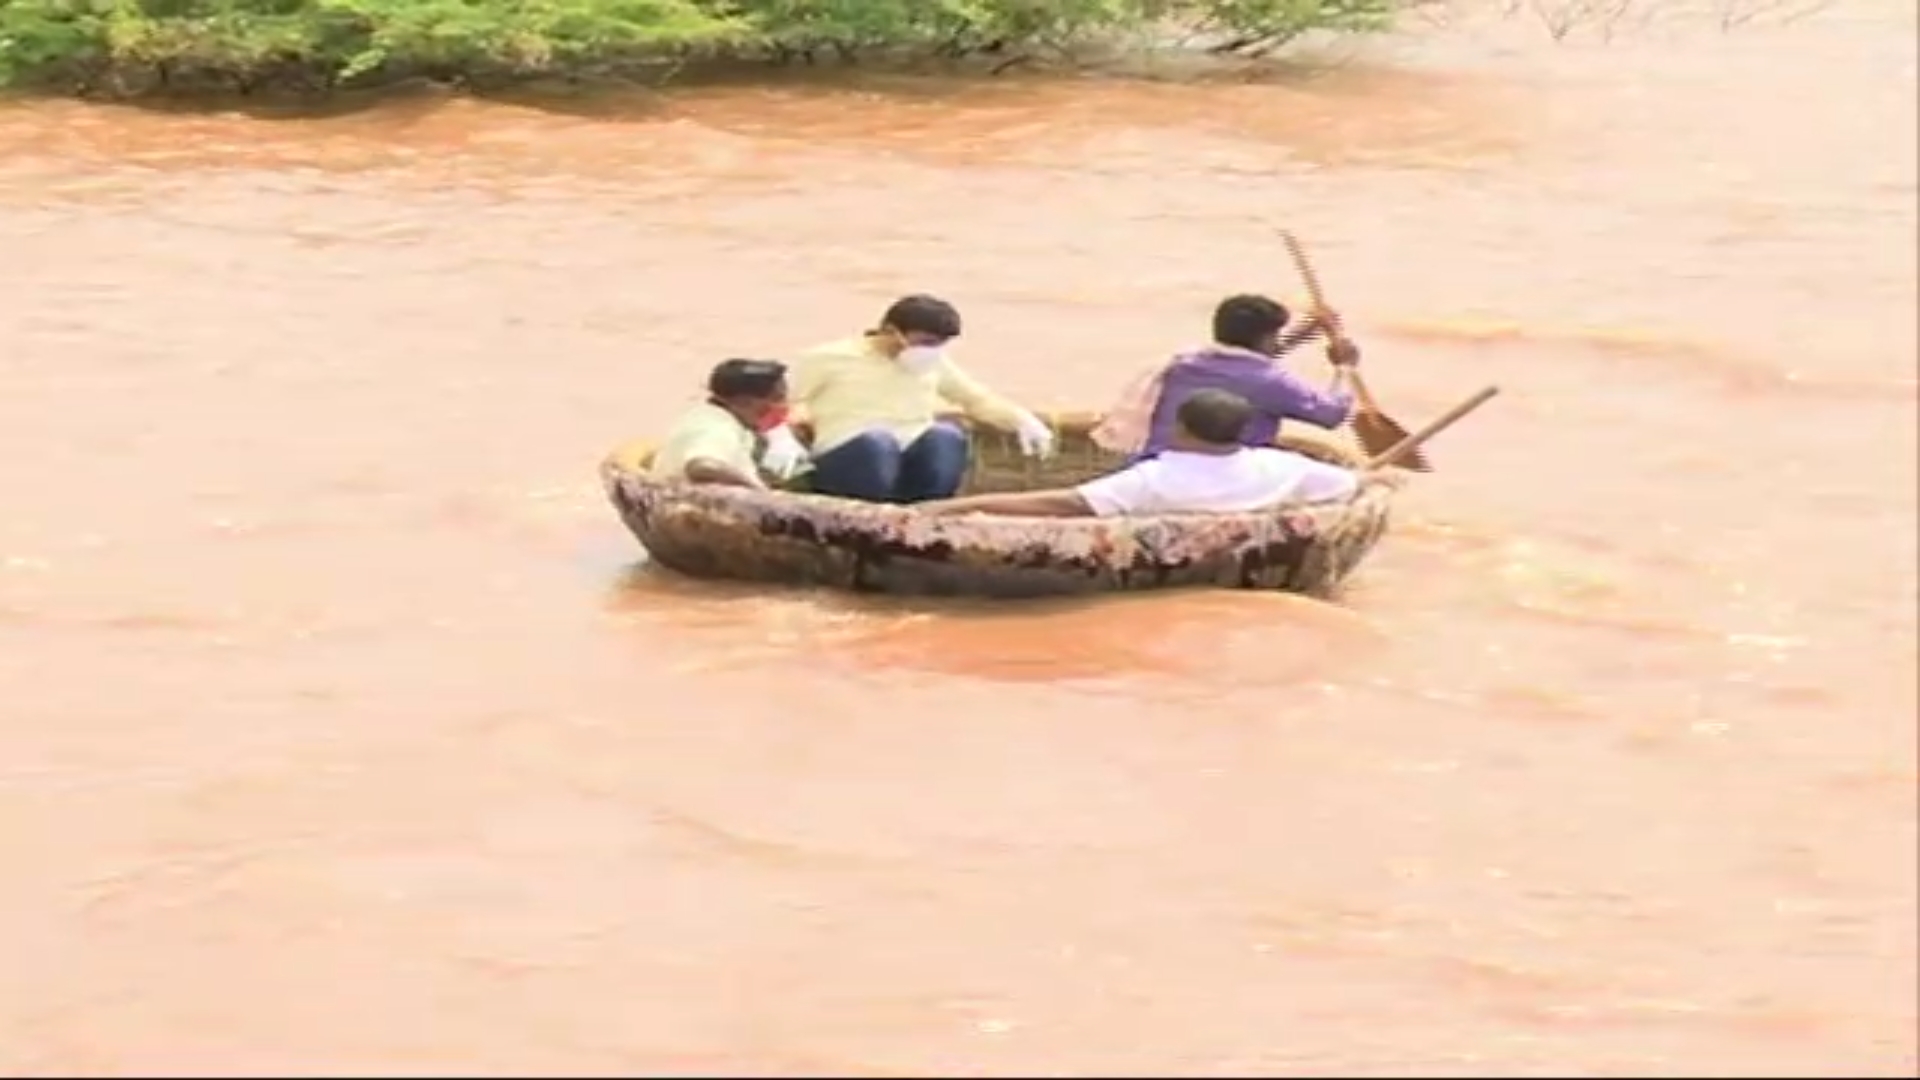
x,y
693,440
712,441
975,399
805,377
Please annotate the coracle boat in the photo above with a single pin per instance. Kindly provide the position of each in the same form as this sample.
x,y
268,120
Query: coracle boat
x,y
793,537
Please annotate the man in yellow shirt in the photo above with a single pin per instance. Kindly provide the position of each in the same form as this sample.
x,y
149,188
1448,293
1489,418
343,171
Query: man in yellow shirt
x,y
872,401
715,441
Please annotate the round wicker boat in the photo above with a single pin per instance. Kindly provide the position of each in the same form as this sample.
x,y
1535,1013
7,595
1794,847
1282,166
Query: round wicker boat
x,y
797,538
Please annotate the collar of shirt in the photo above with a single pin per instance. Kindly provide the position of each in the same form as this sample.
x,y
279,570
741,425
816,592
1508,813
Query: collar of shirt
x,y
1215,348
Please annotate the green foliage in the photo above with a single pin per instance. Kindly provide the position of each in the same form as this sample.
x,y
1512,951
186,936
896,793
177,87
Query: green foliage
x,y
132,45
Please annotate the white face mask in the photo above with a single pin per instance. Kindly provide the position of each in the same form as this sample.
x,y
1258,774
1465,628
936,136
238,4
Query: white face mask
x,y
921,359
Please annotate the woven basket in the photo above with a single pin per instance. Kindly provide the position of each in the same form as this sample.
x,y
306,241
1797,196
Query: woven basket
x,y
798,538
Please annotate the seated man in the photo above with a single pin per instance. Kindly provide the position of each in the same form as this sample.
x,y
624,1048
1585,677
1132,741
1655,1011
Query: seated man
x,y
872,401
715,442
1247,339
1206,468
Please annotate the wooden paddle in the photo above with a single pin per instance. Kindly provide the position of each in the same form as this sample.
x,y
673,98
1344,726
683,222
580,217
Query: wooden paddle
x,y
1411,443
1376,431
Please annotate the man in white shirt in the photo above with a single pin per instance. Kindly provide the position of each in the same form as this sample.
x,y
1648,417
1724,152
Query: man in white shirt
x,y
1204,470
716,441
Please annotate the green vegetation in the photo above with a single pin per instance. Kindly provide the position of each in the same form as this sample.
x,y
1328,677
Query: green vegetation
x,y
132,47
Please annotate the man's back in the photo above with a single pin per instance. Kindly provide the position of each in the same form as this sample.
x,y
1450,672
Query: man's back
x,y
1184,481
1275,393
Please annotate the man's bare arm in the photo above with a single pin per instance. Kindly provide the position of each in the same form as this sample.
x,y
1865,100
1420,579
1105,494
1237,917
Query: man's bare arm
x,y
702,470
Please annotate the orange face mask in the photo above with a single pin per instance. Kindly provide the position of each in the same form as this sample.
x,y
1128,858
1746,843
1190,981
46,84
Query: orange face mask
x,y
772,418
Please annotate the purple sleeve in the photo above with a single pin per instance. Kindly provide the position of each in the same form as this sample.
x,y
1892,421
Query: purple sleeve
x,y
1290,397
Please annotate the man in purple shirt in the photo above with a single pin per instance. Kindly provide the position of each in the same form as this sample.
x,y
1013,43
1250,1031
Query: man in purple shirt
x,y
1247,335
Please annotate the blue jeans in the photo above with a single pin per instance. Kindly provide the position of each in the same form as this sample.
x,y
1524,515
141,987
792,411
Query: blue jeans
x,y
873,466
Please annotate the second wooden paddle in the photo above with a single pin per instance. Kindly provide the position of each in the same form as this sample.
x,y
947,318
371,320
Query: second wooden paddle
x,y
1376,431
1411,443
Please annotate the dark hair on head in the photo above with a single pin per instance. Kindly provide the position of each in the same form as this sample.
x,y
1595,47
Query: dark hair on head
x,y
923,314
746,378
1248,321
1215,416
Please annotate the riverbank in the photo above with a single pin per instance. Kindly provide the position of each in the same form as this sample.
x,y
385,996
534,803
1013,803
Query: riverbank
x,y
317,48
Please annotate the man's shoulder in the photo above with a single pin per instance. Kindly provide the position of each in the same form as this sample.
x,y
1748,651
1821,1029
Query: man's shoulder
x,y
702,430
1143,473
1276,459
1239,367
1226,355
1158,463
1205,357
702,419
1276,456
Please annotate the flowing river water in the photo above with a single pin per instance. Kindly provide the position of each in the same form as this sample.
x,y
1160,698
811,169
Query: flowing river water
x,y
342,734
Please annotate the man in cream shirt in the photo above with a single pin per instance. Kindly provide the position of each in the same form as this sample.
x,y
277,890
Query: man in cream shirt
x,y
872,401
1205,469
714,442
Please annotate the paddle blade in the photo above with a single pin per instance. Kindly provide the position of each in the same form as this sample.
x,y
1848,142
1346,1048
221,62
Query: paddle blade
x,y
1378,433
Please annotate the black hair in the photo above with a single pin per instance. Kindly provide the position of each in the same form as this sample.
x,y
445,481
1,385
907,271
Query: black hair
x,y
1215,416
1248,321
923,314
746,378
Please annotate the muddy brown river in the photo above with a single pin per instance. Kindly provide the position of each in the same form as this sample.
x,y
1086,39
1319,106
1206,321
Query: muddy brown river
x,y
342,734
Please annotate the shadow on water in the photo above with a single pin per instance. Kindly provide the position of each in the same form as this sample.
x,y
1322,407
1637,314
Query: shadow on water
x,y
644,93
1181,637
723,126
645,584
632,97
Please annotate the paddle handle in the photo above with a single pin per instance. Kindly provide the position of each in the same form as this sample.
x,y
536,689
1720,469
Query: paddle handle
x,y
1334,333
1361,393
1312,280
1447,419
